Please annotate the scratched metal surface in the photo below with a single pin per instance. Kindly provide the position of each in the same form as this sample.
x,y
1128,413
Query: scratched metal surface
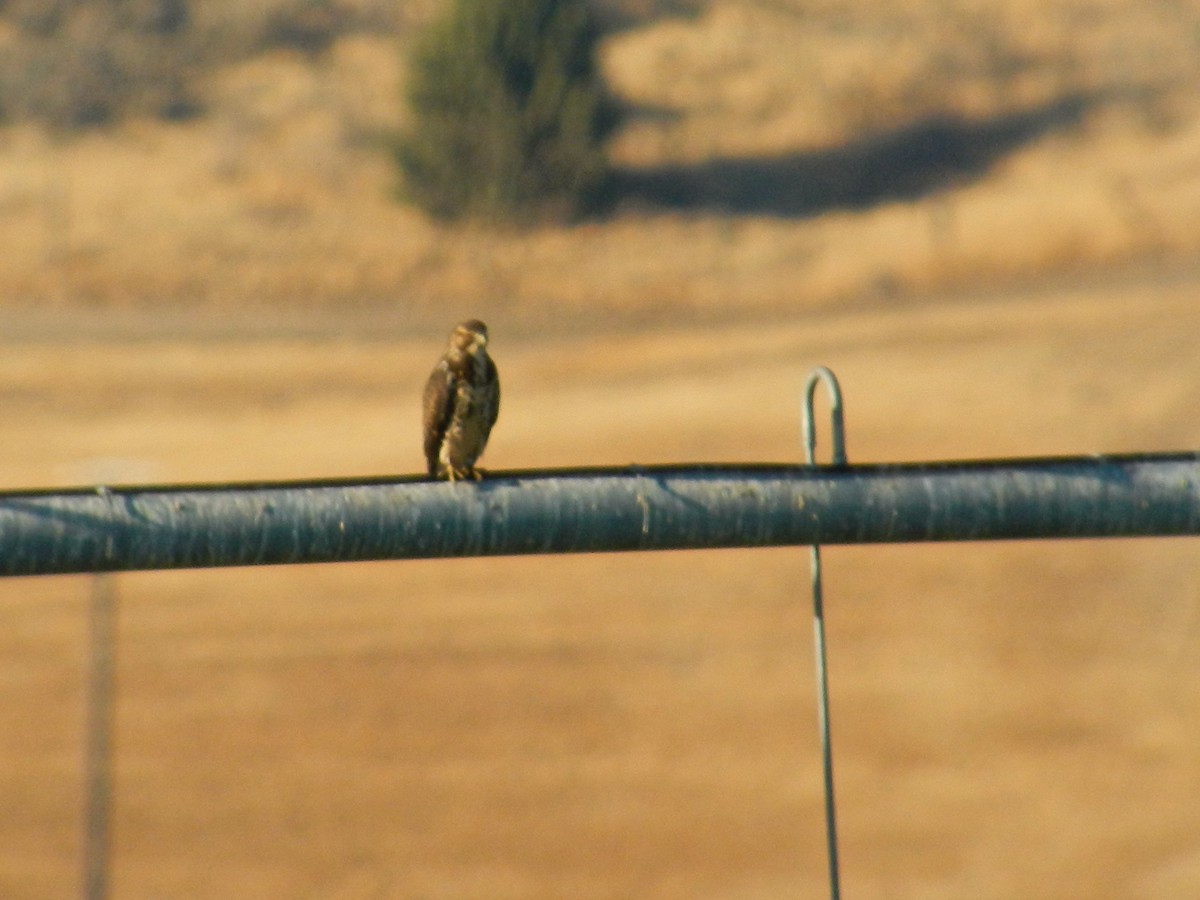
x,y
580,511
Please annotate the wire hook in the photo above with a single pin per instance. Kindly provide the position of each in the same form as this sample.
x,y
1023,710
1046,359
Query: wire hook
x,y
837,420
818,375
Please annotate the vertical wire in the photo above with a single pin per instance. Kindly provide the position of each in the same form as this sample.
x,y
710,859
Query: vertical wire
x,y
823,723
98,757
838,440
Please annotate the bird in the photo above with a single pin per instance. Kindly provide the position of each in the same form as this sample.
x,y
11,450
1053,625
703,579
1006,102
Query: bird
x,y
460,404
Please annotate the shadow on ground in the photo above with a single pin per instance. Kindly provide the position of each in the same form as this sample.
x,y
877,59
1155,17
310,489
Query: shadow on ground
x,y
907,164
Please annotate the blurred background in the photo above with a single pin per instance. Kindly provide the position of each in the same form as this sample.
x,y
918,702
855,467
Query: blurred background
x,y
985,217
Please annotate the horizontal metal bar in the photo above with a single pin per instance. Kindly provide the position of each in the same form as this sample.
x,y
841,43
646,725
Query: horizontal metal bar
x,y
578,511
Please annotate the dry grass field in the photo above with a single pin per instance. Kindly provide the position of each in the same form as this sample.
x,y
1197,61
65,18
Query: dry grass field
x,y
984,217
1010,720
780,155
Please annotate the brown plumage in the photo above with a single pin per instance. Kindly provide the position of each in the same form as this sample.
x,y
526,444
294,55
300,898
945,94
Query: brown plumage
x,y
460,404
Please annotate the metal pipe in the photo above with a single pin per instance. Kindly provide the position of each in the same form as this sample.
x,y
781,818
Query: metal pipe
x,y
576,511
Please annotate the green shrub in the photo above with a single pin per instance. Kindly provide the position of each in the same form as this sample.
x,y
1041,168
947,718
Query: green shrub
x,y
508,113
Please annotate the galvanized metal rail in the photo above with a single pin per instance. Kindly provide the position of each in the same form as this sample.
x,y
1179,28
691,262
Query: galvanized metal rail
x,y
593,510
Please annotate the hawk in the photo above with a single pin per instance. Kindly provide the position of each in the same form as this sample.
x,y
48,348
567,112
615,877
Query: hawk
x,y
460,404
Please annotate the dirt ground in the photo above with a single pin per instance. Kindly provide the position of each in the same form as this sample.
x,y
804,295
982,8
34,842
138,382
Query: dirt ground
x,y
1010,720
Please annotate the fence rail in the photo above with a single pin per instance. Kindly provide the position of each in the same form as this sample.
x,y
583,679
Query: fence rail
x,y
577,511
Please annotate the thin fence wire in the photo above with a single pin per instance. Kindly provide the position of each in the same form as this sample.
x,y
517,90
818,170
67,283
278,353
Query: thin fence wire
x,y
824,376
98,737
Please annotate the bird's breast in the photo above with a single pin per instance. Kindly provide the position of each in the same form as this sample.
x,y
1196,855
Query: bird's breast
x,y
469,421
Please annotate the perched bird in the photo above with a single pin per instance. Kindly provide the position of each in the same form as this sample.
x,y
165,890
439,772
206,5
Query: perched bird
x,y
460,404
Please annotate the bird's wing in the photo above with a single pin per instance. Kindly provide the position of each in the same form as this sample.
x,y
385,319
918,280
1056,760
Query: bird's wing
x,y
436,404
493,382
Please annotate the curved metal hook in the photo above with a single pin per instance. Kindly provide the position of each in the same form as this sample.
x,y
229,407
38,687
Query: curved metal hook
x,y
837,421
818,375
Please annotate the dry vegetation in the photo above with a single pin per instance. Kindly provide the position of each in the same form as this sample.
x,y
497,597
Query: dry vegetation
x,y
983,216
779,156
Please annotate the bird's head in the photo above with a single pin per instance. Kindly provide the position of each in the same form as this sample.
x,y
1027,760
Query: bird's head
x,y
469,336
